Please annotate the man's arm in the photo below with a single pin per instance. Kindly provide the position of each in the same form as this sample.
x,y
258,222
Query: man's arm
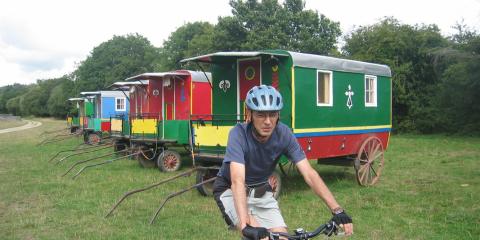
x,y
316,183
237,173
318,186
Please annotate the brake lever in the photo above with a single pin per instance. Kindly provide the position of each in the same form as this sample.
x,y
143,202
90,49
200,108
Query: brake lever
x,y
331,228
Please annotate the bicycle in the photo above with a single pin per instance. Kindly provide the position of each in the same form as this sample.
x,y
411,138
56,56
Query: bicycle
x,y
328,229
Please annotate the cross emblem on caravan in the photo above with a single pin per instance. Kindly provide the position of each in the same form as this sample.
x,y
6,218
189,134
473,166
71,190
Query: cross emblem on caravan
x,y
349,93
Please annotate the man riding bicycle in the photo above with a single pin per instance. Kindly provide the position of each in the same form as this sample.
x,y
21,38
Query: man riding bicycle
x,y
242,191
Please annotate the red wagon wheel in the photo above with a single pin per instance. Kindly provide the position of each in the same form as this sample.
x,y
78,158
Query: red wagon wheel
x,y
94,139
169,161
369,162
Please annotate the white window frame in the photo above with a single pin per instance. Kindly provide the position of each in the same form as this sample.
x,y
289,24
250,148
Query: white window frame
x,y
330,100
124,104
375,93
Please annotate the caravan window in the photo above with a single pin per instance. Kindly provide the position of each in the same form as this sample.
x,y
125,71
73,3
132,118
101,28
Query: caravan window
x,y
120,104
324,88
370,91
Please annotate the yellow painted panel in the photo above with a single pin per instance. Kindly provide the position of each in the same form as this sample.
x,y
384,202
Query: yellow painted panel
x,y
144,126
212,135
116,125
81,121
69,120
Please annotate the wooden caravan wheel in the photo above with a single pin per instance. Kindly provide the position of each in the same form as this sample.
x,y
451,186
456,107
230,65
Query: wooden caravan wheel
x,y
169,161
369,162
203,175
288,168
94,138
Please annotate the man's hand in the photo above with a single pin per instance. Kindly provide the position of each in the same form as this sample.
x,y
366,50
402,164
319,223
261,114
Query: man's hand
x,y
344,221
255,233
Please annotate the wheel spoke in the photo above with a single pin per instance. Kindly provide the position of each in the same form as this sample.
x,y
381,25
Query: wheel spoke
x,y
373,170
375,151
363,172
366,154
380,153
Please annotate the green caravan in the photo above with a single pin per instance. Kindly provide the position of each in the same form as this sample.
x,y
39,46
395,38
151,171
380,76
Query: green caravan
x,y
339,110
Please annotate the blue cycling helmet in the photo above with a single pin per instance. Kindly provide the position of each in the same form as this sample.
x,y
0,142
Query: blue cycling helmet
x,y
264,98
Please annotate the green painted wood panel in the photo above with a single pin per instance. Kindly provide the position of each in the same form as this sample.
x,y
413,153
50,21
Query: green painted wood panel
x,y
89,109
178,130
91,123
224,102
97,124
309,115
126,127
75,121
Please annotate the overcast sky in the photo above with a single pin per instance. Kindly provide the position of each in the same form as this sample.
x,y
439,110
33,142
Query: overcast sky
x,y
41,39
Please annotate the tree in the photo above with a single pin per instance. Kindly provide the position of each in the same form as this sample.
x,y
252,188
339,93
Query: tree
x,y
9,92
458,98
115,60
35,101
13,105
191,39
408,50
268,25
57,102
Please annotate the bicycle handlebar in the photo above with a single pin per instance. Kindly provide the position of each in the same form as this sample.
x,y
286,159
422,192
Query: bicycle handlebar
x,y
328,229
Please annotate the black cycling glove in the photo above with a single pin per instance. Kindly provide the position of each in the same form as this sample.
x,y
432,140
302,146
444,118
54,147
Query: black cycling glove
x,y
341,218
254,233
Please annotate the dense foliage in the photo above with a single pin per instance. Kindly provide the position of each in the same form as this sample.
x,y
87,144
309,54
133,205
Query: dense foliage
x,y
115,60
436,79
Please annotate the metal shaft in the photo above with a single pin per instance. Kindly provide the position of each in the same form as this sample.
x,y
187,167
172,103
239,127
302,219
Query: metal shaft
x,y
102,163
184,174
178,193
72,150
91,159
100,147
52,140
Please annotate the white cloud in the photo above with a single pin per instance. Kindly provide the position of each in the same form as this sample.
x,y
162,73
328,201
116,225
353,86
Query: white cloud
x,y
44,39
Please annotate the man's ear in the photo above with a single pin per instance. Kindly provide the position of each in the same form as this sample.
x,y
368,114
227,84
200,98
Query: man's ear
x,y
248,115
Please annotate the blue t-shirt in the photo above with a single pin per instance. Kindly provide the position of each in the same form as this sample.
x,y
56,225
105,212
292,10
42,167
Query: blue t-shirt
x,y
259,158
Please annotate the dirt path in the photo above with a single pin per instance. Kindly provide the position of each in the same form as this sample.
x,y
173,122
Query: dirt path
x,y
30,124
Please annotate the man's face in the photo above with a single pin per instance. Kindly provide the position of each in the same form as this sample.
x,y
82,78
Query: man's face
x,y
265,122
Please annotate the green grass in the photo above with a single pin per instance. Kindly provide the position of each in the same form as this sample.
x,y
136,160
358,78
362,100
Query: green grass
x,y
7,123
428,190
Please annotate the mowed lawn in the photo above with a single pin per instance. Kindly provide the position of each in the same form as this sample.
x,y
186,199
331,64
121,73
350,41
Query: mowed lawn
x,y
429,189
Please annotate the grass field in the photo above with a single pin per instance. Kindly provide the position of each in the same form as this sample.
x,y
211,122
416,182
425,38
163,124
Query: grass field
x,y
7,123
429,190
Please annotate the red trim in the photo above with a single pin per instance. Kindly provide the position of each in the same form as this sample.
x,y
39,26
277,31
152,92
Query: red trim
x,y
105,126
202,97
339,145
248,67
182,98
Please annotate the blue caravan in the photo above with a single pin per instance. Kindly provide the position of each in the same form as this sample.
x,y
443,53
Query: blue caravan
x,y
99,107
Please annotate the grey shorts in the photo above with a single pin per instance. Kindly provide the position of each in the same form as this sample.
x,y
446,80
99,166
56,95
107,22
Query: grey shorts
x,y
265,209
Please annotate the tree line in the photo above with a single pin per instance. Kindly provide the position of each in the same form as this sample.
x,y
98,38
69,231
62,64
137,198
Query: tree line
x,y
436,78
